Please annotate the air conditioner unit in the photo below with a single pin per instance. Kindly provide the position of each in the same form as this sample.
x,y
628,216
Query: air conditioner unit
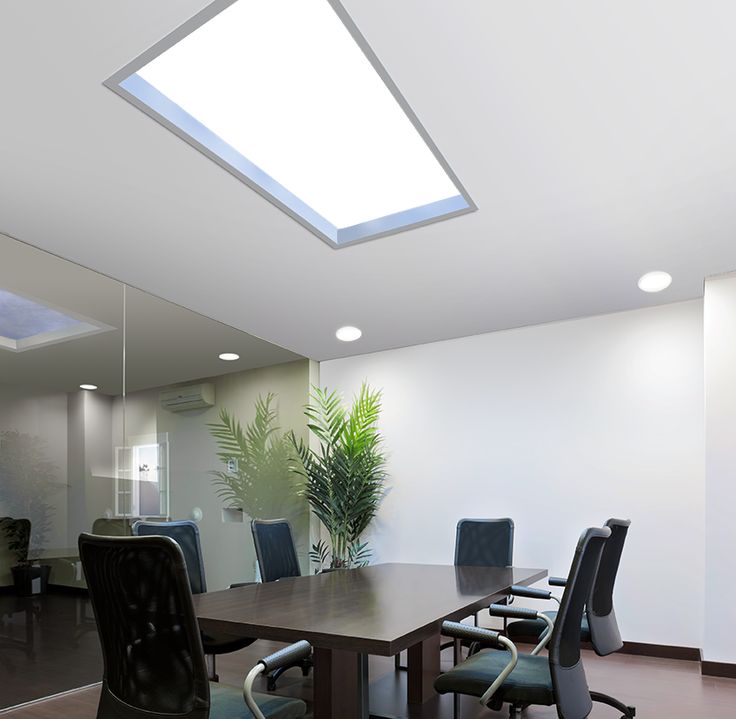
x,y
193,396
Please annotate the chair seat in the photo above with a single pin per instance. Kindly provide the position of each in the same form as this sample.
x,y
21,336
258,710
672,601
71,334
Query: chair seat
x,y
529,628
228,703
219,643
529,683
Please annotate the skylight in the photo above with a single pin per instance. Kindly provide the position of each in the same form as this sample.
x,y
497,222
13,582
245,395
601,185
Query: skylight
x,y
26,323
287,95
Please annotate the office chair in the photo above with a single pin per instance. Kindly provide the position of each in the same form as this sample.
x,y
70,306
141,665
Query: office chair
x,y
482,543
599,625
275,549
154,664
186,534
15,541
277,559
524,679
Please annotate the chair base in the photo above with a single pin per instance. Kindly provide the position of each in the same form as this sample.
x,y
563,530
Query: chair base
x,y
627,711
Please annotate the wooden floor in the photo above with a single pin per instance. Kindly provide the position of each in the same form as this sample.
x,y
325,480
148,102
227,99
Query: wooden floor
x,y
49,645
659,688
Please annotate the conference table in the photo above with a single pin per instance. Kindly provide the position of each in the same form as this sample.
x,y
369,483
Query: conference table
x,y
348,615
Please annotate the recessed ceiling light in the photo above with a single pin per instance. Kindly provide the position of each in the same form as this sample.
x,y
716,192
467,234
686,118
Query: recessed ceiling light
x,y
655,281
348,334
88,386
287,96
229,356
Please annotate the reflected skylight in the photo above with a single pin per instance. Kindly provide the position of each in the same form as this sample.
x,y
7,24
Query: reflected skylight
x,y
287,95
26,323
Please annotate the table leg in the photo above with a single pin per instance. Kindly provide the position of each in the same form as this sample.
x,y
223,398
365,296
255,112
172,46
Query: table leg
x,y
340,684
423,668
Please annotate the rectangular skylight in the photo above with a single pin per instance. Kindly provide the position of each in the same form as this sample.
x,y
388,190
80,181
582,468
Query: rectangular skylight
x,y
287,95
27,323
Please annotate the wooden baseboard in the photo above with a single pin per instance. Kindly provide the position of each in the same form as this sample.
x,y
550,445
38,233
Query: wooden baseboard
x,y
718,669
661,651
658,651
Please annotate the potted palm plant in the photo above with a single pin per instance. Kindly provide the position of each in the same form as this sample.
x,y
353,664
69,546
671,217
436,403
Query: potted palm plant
x,y
344,478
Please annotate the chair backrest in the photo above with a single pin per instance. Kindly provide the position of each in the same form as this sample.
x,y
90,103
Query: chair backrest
x,y
484,543
112,526
15,535
568,675
151,646
186,534
275,549
604,633
15,540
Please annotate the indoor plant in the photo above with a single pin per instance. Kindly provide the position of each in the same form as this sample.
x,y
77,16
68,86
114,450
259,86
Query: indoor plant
x,y
344,478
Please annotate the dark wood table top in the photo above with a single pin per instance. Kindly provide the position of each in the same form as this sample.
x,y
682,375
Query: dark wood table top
x,y
381,609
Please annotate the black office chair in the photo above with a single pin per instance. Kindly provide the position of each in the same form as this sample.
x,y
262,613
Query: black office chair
x,y
186,534
524,679
275,549
599,625
153,659
482,543
15,540
277,559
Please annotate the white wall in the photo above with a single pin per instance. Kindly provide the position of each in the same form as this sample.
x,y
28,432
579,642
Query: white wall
x,y
558,426
720,425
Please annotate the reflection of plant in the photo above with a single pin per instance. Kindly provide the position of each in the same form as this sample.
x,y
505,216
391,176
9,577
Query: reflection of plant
x,y
345,478
27,477
258,480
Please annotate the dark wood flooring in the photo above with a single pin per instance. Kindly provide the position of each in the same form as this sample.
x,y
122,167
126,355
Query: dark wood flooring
x,y
65,650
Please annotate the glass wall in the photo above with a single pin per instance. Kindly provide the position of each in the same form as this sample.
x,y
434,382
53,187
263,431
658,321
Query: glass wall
x,y
164,430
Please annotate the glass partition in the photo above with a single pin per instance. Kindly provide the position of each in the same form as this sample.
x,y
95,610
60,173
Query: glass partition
x,y
115,406
208,439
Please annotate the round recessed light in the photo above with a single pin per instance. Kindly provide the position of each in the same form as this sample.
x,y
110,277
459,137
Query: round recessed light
x,y
88,386
229,356
348,334
655,281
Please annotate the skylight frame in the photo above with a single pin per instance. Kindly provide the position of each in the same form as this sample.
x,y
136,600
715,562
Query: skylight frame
x,y
84,327
127,84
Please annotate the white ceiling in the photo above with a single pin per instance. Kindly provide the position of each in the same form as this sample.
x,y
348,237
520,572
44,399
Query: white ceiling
x,y
598,140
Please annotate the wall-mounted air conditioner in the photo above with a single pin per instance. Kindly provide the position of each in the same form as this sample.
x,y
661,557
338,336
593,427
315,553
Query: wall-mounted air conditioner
x,y
193,396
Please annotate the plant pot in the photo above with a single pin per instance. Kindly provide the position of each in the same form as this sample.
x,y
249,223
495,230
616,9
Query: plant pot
x,y
30,579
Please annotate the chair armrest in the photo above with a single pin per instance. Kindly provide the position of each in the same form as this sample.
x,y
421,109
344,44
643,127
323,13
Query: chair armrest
x,y
456,630
557,581
287,656
235,585
282,658
503,610
530,592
